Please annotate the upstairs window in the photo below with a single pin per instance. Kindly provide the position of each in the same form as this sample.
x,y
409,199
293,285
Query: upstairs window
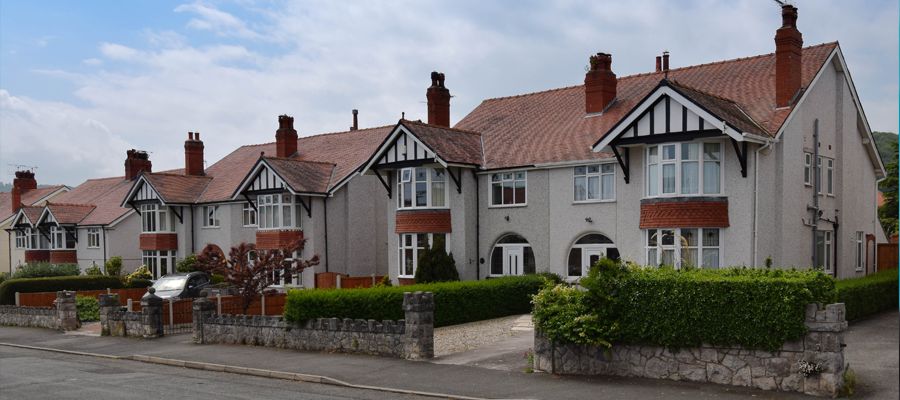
x,y
248,215
829,176
595,182
62,238
422,187
278,211
210,216
684,169
23,238
508,188
807,169
156,218
93,238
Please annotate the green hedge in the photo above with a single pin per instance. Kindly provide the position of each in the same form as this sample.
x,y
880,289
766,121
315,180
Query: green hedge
x,y
868,295
755,308
455,302
9,288
88,308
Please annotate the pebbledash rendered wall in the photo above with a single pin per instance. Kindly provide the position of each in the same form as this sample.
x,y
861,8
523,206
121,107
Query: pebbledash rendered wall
x,y
410,338
64,316
823,346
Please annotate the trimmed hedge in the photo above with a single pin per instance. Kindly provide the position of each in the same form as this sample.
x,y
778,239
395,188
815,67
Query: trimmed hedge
x,y
9,288
755,308
868,295
455,302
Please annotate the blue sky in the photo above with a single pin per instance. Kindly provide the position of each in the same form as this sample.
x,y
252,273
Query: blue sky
x,y
81,82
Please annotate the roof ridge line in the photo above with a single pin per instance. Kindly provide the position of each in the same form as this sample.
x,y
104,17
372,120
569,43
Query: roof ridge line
x,y
299,160
442,127
318,135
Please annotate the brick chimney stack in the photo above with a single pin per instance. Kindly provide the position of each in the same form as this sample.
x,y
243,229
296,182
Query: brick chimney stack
x,y
788,57
137,161
355,125
658,63
599,84
438,101
285,137
665,60
23,182
193,155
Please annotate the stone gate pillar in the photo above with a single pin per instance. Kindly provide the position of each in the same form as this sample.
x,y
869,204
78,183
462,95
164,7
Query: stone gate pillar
x,y
151,314
109,303
419,329
66,310
203,309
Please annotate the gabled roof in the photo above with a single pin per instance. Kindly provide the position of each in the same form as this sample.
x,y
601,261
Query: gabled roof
x,y
175,188
552,127
104,194
29,198
64,214
454,146
297,176
723,108
28,215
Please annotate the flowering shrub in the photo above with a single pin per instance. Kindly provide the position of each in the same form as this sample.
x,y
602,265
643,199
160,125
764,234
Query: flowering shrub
x,y
808,369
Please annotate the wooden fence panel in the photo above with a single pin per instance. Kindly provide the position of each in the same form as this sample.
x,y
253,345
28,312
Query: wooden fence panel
x,y
887,256
46,299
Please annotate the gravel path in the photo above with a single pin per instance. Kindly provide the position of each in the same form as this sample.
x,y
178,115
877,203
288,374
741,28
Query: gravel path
x,y
459,338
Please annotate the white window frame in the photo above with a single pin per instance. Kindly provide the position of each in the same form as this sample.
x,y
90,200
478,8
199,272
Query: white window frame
x,y
278,277
248,215
57,234
152,217
153,259
807,169
677,162
501,178
403,180
401,255
23,238
829,176
860,251
93,238
827,250
587,175
274,205
676,247
211,216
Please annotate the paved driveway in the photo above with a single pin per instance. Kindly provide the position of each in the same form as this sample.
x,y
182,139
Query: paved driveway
x,y
873,350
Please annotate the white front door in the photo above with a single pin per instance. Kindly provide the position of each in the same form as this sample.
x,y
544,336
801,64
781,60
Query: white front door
x,y
590,256
512,260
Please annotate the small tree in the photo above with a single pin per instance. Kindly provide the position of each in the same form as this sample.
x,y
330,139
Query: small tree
x,y
435,265
187,264
887,213
113,266
252,278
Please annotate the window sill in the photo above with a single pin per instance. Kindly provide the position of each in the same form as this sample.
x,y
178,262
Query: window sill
x,y
210,227
593,201
279,229
508,205
421,208
249,226
93,247
675,196
406,276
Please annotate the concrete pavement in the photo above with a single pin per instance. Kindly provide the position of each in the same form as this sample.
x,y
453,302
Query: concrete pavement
x,y
373,371
873,351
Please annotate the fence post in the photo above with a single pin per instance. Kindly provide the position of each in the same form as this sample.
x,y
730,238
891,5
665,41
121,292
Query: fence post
x,y
219,303
151,314
130,305
171,312
202,308
109,303
263,304
18,304
373,280
418,308
337,281
67,311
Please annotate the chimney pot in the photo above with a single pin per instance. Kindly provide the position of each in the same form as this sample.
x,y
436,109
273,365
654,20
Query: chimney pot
x,y
135,162
285,137
355,125
438,101
599,83
788,57
665,60
193,155
23,182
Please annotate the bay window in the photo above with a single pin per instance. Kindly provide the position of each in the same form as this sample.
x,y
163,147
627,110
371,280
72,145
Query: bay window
x,y
248,215
684,169
683,247
62,238
410,246
508,188
159,262
210,216
93,238
422,187
23,238
278,211
595,182
156,218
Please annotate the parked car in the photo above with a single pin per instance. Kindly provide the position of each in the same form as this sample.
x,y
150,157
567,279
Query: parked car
x,y
181,286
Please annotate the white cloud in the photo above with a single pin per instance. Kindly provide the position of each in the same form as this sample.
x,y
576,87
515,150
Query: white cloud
x,y
318,60
92,61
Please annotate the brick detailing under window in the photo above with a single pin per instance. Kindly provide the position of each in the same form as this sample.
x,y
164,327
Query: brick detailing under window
x,y
705,213
159,241
37,256
63,256
423,221
276,239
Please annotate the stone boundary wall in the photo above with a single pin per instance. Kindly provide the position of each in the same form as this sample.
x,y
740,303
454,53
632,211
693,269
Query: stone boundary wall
x,y
64,316
34,317
115,321
822,346
410,338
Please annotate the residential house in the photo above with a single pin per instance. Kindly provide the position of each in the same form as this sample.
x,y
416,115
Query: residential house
x,y
734,162
25,192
